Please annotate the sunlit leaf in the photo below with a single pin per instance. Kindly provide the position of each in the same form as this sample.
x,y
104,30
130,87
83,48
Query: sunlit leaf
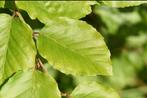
x,y
30,84
74,47
93,90
44,10
17,51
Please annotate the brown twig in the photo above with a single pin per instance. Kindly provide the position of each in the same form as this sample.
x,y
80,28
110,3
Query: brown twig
x,y
65,95
15,14
35,35
40,66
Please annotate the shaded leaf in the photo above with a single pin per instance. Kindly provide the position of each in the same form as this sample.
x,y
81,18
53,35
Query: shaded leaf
x,y
17,50
30,84
93,90
74,47
44,10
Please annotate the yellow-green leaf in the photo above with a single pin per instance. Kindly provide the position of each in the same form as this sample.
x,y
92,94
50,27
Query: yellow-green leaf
x,y
17,50
44,10
74,47
93,90
30,84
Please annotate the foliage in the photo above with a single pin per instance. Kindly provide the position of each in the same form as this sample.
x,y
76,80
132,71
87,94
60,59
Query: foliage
x,y
52,49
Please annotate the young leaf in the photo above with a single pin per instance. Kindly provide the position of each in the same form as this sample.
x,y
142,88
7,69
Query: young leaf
x,y
17,50
2,3
30,84
74,47
44,10
123,3
93,90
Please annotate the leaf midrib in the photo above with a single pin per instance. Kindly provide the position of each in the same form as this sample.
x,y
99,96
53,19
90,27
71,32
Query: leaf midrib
x,y
71,50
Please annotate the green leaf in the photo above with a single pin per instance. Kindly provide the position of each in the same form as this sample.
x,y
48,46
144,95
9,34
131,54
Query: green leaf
x,y
74,47
2,3
93,90
123,3
17,50
44,10
30,84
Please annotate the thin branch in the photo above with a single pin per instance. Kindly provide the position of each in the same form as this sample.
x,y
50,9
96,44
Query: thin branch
x,y
40,66
15,14
35,35
65,95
